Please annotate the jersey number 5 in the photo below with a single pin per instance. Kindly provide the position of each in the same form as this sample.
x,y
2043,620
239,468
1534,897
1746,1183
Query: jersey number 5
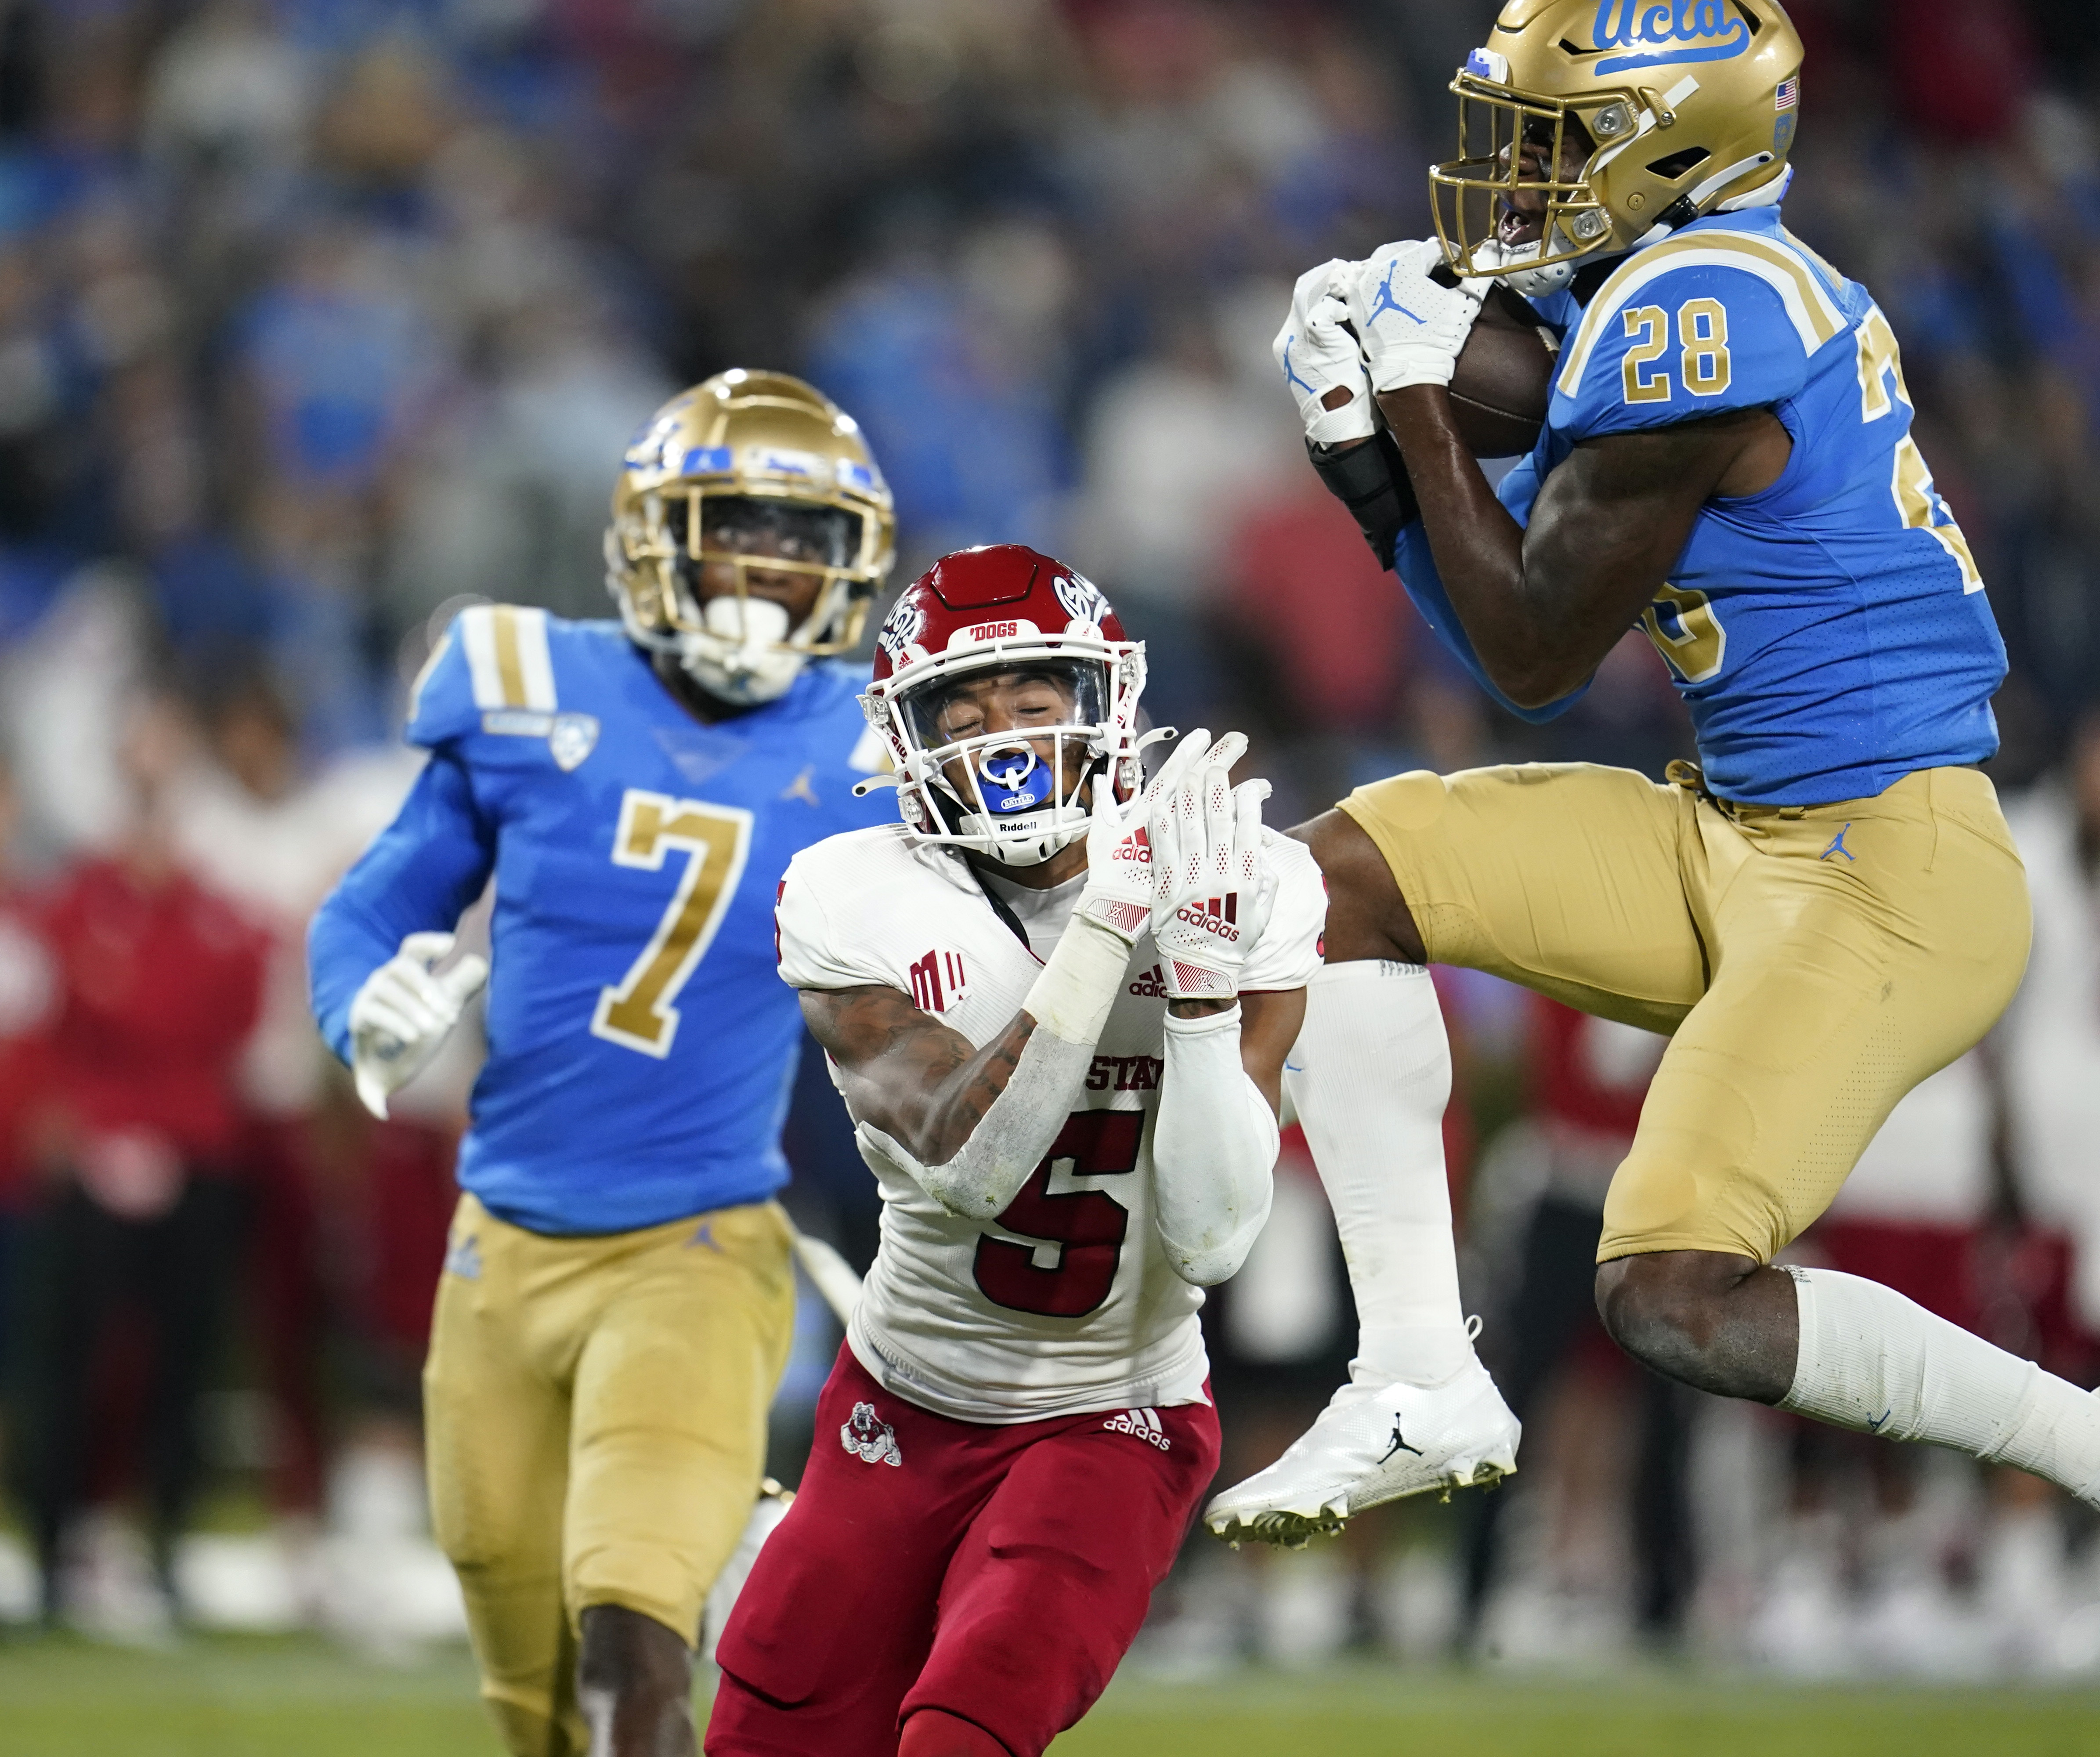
x,y
1085,1229
641,1012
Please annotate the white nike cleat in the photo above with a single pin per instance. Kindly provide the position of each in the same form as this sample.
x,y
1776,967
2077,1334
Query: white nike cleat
x,y
1374,1444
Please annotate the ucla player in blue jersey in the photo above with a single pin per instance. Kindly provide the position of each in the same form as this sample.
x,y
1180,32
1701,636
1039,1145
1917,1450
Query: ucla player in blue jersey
x,y
617,1302
1824,910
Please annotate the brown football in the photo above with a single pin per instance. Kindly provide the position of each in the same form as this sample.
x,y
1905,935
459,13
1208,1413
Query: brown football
x,y
1503,377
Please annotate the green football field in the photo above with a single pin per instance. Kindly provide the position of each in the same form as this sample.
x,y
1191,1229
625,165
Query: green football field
x,y
246,1698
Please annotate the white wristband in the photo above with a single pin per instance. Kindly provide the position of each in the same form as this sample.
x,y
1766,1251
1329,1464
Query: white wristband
x,y
1071,999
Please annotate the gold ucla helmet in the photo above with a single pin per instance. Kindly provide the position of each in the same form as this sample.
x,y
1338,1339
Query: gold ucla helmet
x,y
1685,106
767,444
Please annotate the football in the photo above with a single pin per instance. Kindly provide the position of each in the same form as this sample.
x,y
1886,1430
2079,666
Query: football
x,y
1503,377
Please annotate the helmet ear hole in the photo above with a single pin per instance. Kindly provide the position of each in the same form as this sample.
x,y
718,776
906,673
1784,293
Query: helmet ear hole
x,y
1679,165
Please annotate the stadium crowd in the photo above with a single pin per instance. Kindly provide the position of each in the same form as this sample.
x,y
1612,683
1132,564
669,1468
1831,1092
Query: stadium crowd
x,y
318,317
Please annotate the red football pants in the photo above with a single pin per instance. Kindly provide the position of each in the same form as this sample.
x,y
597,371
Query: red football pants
x,y
1000,1574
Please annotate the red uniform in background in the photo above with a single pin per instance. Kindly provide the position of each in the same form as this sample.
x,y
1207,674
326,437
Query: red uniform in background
x,y
158,985
28,993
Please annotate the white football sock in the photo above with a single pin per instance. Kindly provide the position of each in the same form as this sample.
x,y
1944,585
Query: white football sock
x,y
1370,1075
1875,1362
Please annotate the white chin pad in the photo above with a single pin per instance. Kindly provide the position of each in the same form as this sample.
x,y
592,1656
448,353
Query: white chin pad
x,y
750,622
1028,840
736,656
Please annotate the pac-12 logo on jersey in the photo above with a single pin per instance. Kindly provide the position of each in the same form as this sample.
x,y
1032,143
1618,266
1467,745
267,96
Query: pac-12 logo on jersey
x,y
571,739
870,1438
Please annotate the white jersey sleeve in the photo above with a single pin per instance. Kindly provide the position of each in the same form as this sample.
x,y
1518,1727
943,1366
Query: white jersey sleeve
x,y
818,949
1292,938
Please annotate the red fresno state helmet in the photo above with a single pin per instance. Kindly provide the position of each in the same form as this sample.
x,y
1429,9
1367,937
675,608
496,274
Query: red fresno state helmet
x,y
1021,792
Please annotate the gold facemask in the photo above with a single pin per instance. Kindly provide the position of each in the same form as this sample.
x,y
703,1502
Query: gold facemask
x,y
1683,105
756,436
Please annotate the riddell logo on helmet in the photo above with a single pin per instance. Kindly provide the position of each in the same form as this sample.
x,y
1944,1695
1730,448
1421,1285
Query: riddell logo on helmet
x,y
1213,915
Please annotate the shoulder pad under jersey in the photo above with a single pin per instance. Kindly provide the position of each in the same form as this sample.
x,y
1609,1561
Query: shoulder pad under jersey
x,y
493,659
1710,321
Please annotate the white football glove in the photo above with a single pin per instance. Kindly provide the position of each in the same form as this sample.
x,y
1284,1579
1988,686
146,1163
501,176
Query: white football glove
x,y
1207,854
1412,330
404,1011
1317,357
1119,889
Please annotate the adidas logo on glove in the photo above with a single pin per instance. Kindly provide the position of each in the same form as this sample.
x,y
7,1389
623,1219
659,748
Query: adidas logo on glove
x,y
1213,915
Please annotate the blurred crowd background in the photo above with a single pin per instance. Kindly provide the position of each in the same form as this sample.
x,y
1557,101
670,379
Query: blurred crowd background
x,y
318,317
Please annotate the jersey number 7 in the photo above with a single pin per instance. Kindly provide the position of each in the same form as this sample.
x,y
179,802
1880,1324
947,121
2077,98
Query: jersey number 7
x,y
641,1013
1085,1228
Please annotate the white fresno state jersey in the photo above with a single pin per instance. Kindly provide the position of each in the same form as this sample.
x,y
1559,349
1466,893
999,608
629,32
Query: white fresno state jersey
x,y
1065,1303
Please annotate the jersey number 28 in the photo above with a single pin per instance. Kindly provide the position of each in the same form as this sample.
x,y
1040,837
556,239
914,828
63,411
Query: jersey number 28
x,y
1084,1228
640,1012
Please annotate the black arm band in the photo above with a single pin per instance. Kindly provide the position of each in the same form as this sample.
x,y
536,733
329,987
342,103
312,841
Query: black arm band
x,y
1371,481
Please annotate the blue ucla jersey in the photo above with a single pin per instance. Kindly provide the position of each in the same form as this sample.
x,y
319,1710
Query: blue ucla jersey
x,y
640,1045
1831,634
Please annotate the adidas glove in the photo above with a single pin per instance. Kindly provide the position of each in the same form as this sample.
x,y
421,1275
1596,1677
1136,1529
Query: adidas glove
x,y
1206,853
1120,882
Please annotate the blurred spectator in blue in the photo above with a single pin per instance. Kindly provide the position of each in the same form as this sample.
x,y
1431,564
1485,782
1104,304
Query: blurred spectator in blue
x,y
954,368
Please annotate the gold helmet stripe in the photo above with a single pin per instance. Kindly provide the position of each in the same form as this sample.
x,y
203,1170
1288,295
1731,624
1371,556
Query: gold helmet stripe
x,y
1815,316
507,656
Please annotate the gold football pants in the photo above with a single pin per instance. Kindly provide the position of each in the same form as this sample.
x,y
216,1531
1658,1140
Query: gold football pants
x,y
1813,962
596,1410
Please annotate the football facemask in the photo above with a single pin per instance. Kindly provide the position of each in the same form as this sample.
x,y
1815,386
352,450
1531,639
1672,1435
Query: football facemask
x,y
1586,130
748,472
1005,754
1003,686
739,646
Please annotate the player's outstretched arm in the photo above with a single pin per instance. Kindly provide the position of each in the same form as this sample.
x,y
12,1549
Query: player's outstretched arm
x,y
1543,603
1540,603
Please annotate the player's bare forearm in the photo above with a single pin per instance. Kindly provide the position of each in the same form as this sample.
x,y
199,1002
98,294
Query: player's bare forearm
x,y
912,1077
1270,1021
1543,603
